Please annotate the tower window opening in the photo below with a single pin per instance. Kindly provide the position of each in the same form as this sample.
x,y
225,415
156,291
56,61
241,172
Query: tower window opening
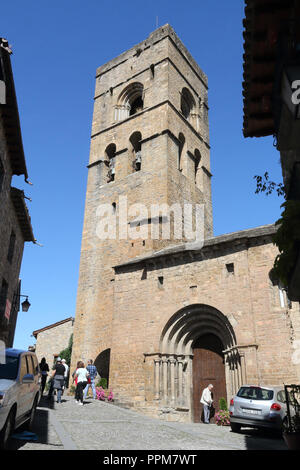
x,y
197,158
187,103
136,106
136,149
130,102
181,139
110,161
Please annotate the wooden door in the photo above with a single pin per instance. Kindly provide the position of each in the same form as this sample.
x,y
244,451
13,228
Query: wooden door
x,y
208,368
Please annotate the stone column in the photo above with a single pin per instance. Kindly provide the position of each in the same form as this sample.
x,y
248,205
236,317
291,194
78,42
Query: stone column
x,y
157,363
180,382
172,366
165,380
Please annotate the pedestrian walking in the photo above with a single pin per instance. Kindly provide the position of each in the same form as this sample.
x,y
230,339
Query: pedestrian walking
x,y
92,370
44,371
82,375
207,401
58,378
73,375
66,375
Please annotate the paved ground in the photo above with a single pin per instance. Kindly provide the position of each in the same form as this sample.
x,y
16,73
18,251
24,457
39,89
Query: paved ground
x,y
104,426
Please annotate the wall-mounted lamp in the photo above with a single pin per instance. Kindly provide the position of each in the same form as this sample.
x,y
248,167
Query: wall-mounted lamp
x,y
26,304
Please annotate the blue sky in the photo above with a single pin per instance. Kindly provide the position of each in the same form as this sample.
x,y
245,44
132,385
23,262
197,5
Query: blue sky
x,y
57,47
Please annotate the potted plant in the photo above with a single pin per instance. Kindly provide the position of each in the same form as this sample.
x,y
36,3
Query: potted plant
x,y
222,415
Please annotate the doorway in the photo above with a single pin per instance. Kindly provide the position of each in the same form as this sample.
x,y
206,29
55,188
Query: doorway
x,y
208,368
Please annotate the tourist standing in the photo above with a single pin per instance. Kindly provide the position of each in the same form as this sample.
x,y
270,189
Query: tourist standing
x,y
207,401
58,376
44,371
66,373
92,370
82,379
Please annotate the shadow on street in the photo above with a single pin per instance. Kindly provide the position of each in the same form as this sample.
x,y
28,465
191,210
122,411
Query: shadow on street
x,y
263,439
40,426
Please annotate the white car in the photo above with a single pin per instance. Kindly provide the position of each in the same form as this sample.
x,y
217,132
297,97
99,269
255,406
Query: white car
x,y
20,391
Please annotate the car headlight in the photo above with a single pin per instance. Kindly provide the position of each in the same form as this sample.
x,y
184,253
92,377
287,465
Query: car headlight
x,y
2,396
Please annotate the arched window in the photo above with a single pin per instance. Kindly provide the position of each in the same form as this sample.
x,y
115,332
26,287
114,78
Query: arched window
x,y
181,139
110,161
187,103
197,157
130,102
136,153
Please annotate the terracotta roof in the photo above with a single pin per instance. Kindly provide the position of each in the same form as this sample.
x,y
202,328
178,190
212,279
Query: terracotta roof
x,y
17,198
36,332
270,31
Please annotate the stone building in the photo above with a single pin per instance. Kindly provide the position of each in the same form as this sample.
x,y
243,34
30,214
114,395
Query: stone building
x,y
52,339
163,316
15,223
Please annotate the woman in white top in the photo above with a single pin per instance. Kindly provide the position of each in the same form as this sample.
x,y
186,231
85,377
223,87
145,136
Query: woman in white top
x,y
82,380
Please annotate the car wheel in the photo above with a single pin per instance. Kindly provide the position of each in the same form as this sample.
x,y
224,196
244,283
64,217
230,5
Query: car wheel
x,y
28,425
7,430
235,427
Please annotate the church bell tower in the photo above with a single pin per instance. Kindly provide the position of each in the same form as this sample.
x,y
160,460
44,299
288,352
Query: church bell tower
x,y
149,146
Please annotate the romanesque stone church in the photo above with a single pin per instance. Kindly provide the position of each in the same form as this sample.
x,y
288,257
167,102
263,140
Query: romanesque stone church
x,y
163,317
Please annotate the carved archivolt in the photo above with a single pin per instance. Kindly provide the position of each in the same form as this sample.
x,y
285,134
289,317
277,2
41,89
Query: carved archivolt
x,y
173,364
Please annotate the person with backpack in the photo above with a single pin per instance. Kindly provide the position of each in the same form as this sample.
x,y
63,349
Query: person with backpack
x,y
58,376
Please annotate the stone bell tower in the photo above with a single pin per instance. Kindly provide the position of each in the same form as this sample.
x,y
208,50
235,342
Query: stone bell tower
x,y
149,145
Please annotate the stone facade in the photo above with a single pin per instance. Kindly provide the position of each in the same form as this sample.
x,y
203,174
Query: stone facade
x,y
144,303
15,225
52,339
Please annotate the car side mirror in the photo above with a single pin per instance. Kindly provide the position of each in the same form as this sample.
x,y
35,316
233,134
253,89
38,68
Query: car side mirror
x,y
27,379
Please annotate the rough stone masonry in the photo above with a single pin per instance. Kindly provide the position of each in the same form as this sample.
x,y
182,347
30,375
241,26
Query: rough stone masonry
x,y
162,318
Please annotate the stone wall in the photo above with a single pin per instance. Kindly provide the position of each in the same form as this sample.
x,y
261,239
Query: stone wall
x,y
52,341
264,333
9,269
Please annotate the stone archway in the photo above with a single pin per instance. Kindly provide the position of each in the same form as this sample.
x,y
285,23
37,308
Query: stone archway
x,y
102,363
180,338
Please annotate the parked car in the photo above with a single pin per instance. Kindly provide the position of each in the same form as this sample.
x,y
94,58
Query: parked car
x,y
20,385
259,407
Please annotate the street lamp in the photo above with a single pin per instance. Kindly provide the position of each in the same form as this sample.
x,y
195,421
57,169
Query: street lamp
x,y
26,304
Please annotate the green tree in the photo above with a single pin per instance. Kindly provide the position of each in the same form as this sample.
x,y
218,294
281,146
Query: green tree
x,y
67,353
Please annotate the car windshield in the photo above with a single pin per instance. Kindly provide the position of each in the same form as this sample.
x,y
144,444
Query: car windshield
x,y
255,393
9,370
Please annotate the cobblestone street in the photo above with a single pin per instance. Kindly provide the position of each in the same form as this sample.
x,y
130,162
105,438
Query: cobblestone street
x,y
104,426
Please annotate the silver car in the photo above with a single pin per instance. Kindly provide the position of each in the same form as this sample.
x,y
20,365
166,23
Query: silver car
x,y
20,385
259,407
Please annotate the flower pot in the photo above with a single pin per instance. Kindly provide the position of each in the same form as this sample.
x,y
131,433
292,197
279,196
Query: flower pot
x,y
292,440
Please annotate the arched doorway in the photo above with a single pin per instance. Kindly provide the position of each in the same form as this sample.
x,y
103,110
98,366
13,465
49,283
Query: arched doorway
x,y
102,362
194,338
208,368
